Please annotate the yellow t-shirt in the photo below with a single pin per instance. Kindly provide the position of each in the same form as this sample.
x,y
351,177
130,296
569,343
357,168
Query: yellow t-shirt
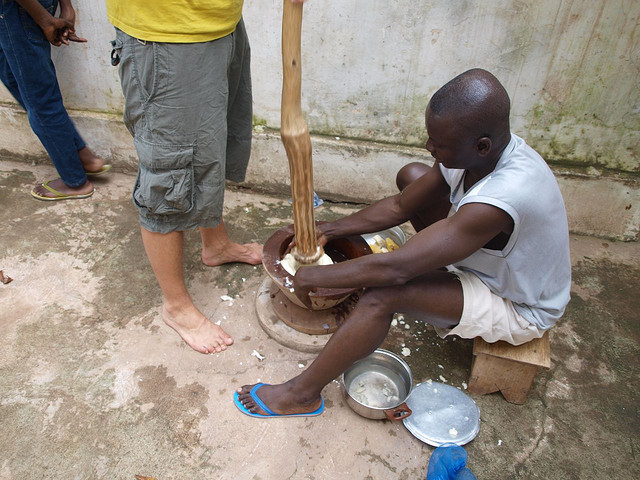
x,y
175,21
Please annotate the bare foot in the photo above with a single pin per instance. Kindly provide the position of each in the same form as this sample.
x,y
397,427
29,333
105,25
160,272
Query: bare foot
x,y
61,187
250,253
279,398
90,161
199,333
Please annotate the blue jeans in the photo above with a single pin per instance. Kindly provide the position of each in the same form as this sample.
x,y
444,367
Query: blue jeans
x,y
28,73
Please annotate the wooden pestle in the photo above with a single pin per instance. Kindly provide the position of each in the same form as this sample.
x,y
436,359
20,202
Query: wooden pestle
x,y
295,137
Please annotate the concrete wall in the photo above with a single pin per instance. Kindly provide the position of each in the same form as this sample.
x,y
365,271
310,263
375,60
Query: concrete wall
x,y
369,67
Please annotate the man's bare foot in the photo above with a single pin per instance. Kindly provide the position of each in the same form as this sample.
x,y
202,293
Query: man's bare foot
x,y
61,187
199,333
250,253
279,398
90,161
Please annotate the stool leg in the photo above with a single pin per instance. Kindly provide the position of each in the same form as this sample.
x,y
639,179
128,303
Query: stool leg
x,y
481,380
516,392
490,374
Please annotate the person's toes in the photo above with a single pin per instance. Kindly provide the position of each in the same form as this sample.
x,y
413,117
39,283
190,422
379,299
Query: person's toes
x,y
248,401
224,340
200,348
245,390
212,346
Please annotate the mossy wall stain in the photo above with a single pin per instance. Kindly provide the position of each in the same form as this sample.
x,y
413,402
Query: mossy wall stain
x,y
257,121
568,67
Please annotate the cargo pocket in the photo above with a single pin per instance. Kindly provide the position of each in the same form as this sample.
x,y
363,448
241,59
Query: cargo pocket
x,y
165,178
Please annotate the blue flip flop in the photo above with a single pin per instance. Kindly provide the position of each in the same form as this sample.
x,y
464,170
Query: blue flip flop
x,y
270,413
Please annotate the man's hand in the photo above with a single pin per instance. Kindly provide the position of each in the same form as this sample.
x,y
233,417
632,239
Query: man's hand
x,y
68,13
56,30
321,237
301,289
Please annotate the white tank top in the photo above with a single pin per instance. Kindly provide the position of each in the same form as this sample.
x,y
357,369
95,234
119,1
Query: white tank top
x,y
534,268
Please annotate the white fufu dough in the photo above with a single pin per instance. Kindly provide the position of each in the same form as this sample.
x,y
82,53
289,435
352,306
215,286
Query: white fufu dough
x,y
291,265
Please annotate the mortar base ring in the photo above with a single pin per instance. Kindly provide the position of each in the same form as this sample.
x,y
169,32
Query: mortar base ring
x,y
279,330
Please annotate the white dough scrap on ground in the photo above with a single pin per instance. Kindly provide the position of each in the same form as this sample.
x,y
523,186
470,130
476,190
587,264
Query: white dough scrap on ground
x,y
256,354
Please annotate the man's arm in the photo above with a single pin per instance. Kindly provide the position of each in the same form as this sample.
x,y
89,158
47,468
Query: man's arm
x,y
443,243
54,29
390,211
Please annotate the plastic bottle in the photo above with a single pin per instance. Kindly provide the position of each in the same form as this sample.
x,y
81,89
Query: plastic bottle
x,y
448,462
317,201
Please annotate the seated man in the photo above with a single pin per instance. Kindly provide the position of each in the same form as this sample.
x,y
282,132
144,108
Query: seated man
x,y
490,208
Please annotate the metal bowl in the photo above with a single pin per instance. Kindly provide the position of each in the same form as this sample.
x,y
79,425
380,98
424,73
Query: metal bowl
x,y
394,233
377,386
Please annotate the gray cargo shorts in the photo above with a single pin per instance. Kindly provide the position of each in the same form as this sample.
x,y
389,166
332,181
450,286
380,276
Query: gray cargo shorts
x,y
189,109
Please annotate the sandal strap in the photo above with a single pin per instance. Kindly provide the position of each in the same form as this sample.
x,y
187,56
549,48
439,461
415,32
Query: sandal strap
x,y
53,190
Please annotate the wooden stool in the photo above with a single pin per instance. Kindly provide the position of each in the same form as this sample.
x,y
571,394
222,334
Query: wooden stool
x,y
511,370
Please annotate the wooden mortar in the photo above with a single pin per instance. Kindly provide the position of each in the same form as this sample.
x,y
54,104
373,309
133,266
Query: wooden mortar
x,y
339,250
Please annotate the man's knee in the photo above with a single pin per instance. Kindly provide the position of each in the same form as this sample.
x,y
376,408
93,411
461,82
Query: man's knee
x,y
410,173
380,300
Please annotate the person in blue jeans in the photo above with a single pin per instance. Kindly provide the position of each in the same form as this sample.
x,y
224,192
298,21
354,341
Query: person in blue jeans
x,y
28,28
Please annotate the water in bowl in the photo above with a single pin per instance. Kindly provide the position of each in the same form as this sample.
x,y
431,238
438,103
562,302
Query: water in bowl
x,y
378,387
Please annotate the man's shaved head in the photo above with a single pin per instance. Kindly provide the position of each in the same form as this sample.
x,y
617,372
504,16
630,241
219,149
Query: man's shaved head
x,y
478,102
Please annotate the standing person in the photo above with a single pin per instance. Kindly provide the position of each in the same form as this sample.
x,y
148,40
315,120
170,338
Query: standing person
x,y
508,240
185,75
28,28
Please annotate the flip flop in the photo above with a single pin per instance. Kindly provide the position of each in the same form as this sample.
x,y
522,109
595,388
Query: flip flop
x,y
102,171
270,413
58,195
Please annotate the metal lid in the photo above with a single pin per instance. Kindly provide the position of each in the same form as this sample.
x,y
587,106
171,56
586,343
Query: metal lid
x,y
442,414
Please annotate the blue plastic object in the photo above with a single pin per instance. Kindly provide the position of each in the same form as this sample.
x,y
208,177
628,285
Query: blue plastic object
x,y
317,201
448,462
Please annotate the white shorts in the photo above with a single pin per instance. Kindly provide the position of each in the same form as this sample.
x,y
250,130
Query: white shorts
x,y
486,315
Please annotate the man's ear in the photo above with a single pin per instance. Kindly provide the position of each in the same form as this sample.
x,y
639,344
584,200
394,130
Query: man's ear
x,y
483,146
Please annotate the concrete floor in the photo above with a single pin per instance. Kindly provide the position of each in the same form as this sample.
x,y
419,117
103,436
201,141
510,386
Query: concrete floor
x,y
93,385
